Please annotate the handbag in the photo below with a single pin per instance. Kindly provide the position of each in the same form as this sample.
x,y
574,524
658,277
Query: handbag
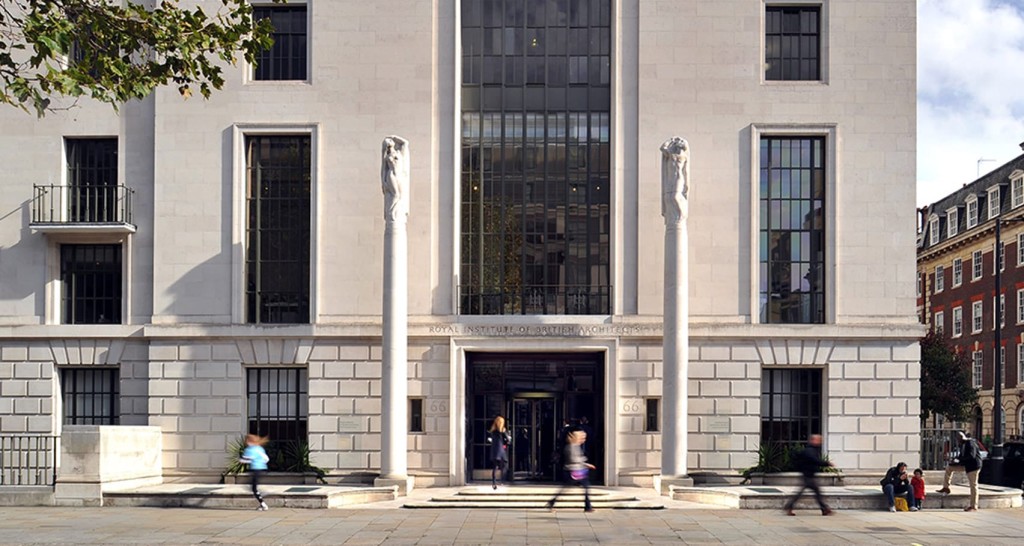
x,y
901,504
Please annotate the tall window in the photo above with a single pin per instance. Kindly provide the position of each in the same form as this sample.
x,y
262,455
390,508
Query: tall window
x,y
278,407
999,258
536,110
792,43
933,230
977,363
976,265
792,230
278,229
92,179
951,222
791,405
958,272
1017,191
90,396
1020,306
286,59
1020,249
90,284
972,211
1020,367
958,321
940,279
976,317
938,326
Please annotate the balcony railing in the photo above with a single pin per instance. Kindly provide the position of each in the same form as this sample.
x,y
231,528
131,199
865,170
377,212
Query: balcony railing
x,y
98,206
535,300
28,459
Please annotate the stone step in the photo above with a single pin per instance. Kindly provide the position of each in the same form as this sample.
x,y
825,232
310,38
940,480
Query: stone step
x,y
534,498
239,496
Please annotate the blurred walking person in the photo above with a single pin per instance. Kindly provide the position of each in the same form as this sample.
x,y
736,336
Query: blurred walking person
x,y
808,462
256,457
577,469
499,438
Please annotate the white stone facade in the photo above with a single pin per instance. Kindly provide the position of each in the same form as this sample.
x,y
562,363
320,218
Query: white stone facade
x,y
688,67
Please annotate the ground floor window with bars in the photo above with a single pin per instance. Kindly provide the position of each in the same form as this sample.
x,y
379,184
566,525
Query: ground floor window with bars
x,y
278,408
90,279
90,396
791,407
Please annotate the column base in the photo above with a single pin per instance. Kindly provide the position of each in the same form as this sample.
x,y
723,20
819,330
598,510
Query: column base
x,y
664,484
404,484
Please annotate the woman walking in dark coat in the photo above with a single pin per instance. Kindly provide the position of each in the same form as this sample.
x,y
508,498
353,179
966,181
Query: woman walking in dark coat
x,y
808,462
499,439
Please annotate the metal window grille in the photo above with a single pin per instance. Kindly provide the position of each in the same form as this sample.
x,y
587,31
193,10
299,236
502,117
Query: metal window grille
x,y
792,43
286,59
278,229
92,177
652,415
278,403
90,284
91,396
792,230
415,415
536,149
791,405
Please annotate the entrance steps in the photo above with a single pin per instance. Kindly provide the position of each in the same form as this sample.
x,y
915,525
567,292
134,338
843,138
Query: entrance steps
x,y
535,497
240,496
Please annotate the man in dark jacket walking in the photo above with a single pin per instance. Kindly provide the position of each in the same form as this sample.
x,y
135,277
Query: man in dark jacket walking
x,y
808,462
969,461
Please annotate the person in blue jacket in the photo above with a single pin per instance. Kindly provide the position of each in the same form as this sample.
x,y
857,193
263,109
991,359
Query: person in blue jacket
x,y
256,457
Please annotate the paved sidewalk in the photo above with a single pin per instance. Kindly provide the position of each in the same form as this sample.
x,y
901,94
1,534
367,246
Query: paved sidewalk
x,y
387,523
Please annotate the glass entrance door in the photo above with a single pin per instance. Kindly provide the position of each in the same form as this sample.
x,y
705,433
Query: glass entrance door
x,y
535,427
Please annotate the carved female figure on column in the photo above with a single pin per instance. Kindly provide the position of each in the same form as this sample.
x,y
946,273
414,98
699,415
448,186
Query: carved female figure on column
x,y
675,179
394,177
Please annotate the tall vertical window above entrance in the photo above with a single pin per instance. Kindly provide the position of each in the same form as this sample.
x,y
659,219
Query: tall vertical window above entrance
x,y
792,229
536,114
277,254
791,406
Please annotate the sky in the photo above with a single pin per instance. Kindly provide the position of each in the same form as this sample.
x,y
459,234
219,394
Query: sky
x,y
970,91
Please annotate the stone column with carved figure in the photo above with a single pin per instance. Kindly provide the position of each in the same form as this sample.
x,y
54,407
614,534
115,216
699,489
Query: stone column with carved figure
x,y
675,188
394,175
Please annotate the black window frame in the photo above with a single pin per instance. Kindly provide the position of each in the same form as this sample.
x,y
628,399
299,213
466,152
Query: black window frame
x,y
792,42
277,407
652,414
82,395
278,232
536,146
91,179
417,419
91,285
288,58
792,405
792,229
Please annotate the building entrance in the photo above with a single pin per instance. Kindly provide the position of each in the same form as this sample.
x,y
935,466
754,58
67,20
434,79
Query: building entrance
x,y
541,396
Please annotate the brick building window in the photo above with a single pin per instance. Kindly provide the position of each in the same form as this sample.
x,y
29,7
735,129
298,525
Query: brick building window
x,y
976,265
972,211
938,326
951,222
940,279
977,364
976,317
958,321
958,272
90,396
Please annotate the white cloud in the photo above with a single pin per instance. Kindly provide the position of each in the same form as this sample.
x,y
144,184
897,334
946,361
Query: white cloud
x,y
970,91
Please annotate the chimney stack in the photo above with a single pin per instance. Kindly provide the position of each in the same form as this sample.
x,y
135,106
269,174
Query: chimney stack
x,y
1021,145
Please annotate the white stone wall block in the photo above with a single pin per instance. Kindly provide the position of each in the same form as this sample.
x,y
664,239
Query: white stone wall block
x,y
730,370
628,388
303,351
26,406
894,406
211,406
854,406
88,349
354,352
823,351
178,406
6,371
368,370
101,354
835,406
438,389
914,406
712,388
225,424
39,424
200,388
714,352
843,389
891,442
700,370
701,406
28,370
192,424
136,352
13,423
261,351
875,389
914,370
162,387
875,353
10,388
13,351
891,370
367,406
324,351
861,442
745,352
633,370
910,388
753,370
354,387
74,351
245,351
652,353
858,370
177,370
840,424
914,443
834,371
796,352
339,370
907,353
40,351
290,351
875,425
234,370
749,388
764,349
375,387
730,406
195,352
323,387
844,352
709,460
353,461
323,424
745,424
159,351
227,352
